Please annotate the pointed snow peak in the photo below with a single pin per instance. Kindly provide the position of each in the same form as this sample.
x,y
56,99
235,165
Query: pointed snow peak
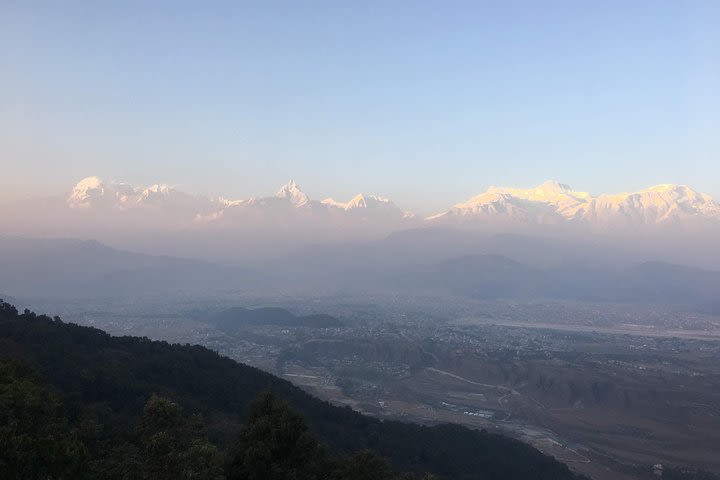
x,y
291,186
293,193
358,201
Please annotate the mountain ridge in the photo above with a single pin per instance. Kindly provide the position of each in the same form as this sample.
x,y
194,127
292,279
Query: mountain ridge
x,y
498,266
657,222
549,203
552,202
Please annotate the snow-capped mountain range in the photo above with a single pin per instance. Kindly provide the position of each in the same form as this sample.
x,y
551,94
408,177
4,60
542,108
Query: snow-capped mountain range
x,y
550,203
92,193
554,203
359,201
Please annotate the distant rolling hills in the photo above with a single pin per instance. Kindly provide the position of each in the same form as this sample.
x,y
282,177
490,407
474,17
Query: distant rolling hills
x,y
89,269
428,261
492,276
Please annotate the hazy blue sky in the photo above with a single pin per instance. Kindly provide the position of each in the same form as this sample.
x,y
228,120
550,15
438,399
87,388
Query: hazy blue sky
x,y
426,102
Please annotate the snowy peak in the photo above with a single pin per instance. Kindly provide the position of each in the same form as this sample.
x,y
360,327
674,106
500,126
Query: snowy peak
x,y
360,201
289,194
549,202
290,203
369,201
550,192
292,192
681,193
88,183
155,193
667,187
553,202
553,187
657,204
369,208
86,191
157,190
95,194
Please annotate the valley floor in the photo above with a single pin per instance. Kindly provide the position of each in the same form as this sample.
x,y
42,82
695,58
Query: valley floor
x,y
608,395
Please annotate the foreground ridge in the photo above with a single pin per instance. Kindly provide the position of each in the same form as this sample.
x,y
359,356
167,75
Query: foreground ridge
x,y
113,379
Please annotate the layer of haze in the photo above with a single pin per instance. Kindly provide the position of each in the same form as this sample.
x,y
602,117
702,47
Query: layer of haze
x,y
425,102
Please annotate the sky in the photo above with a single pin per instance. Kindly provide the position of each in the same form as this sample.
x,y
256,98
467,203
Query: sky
x,y
426,102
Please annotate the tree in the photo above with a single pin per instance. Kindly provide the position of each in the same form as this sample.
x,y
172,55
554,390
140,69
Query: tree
x,y
275,444
36,439
173,447
365,465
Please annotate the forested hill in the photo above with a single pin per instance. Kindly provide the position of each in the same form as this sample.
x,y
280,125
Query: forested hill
x,y
117,385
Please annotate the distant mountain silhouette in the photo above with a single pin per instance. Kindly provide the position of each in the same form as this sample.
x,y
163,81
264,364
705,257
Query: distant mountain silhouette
x,y
482,276
84,269
435,261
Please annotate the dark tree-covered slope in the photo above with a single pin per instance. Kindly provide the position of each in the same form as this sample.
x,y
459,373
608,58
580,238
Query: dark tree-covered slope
x,y
115,377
